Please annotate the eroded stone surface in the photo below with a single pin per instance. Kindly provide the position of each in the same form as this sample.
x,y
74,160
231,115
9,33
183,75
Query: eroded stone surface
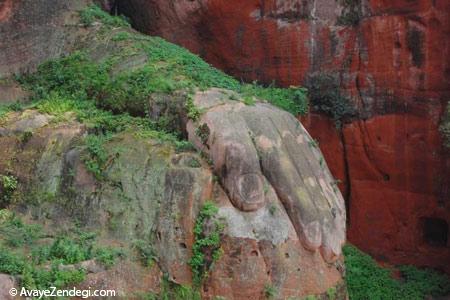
x,y
262,154
150,192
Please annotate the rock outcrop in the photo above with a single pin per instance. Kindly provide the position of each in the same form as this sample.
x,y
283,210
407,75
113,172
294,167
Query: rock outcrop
x,y
389,57
151,192
280,220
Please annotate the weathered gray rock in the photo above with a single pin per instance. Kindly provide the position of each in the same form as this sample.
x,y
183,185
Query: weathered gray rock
x,y
150,192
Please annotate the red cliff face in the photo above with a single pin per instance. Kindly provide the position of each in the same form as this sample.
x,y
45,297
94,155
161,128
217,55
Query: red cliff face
x,y
390,57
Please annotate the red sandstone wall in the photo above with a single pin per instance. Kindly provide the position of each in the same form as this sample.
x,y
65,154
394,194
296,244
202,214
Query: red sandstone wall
x,y
394,64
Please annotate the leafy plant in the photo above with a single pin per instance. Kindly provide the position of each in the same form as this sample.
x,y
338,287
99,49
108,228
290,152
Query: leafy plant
x,y
10,263
193,112
33,276
40,267
4,109
273,209
108,256
145,252
292,99
121,36
331,293
97,156
249,100
270,291
8,186
15,233
206,248
66,250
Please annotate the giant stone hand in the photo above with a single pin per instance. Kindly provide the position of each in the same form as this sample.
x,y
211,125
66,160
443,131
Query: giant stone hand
x,y
254,148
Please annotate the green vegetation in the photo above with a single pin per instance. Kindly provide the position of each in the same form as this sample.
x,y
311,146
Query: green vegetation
x,y
292,99
109,98
38,264
168,68
325,96
4,109
172,291
206,248
272,209
445,126
368,281
270,291
203,132
97,156
94,13
193,163
313,143
193,112
186,70
75,249
15,233
249,100
7,188
331,293
145,252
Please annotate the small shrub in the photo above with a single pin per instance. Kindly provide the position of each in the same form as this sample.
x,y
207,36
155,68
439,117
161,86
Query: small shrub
x,y
272,209
270,291
145,252
193,112
97,156
183,146
331,293
66,250
15,233
206,248
325,96
249,100
25,136
194,163
4,109
32,276
121,36
10,263
108,256
9,184
292,99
